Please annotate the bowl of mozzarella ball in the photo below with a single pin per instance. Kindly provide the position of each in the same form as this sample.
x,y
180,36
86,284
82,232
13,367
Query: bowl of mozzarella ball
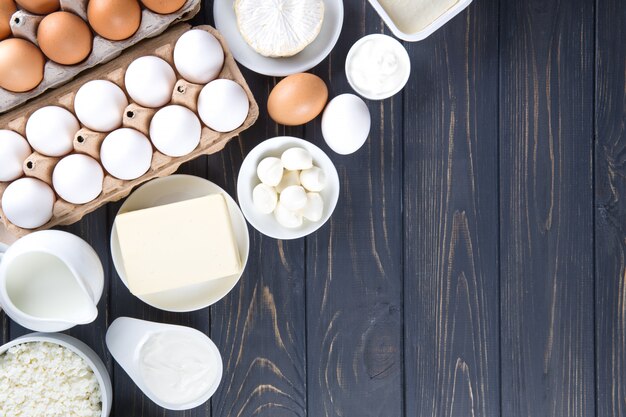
x,y
287,188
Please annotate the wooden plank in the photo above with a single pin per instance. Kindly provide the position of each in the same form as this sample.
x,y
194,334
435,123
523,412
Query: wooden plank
x,y
259,327
354,262
451,227
546,116
610,209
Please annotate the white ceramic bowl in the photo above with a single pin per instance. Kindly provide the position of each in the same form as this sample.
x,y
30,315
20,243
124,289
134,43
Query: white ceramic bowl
x,y
403,55
226,24
173,189
85,352
266,223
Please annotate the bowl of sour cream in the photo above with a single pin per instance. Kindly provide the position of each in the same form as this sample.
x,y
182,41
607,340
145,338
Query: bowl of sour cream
x,y
377,66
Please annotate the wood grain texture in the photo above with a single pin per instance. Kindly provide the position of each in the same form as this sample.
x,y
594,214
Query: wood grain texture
x,y
546,251
610,209
451,220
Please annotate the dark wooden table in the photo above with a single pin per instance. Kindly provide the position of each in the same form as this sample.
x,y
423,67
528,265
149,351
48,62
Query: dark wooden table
x,y
475,263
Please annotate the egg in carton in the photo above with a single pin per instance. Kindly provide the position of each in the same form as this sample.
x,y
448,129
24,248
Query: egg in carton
x,y
24,25
89,142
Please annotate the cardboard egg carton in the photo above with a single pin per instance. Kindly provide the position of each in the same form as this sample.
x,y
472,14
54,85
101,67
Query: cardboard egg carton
x,y
88,142
24,25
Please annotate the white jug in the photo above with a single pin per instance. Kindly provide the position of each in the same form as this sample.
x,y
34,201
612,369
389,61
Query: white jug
x,y
50,281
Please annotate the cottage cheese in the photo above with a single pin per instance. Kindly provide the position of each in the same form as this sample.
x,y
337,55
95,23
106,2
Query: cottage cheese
x,y
47,380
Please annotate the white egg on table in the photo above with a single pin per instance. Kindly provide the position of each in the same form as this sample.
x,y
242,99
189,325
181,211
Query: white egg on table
x,y
126,154
28,203
264,198
78,178
270,171
293,197
14,150
314,207
289,178
175,130
99,105
51,129
296,159
346,123
150,81
198,56
313,179
287,218
223,105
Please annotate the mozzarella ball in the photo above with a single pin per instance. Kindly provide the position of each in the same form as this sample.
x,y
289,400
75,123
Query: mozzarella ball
x,y
14,150
51,129
149,81
99,105
223,105
287,218
297,159
198,56
28,203
126,154
313,179
314,208
175,130
293,197
78,178
289,178
264,198
270,171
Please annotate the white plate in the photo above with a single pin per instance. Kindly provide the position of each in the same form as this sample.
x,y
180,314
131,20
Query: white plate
x,y
169,190
226,24
266,223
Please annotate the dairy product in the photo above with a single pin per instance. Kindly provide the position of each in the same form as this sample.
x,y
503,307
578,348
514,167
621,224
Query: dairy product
x,y
411,16
177,245
178,366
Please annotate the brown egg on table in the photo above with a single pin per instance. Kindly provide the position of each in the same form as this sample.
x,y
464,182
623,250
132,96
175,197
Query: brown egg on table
x,y
39,6
115,20
7,8
21,65
164,6
64,38
297,99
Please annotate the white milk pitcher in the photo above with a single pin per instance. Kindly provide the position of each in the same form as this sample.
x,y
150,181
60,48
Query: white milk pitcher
x,y
50,281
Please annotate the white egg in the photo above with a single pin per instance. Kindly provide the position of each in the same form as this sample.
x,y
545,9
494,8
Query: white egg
x,y
297,159
99,105
287,218
175,130
346,123
289,178
149,81
313,179
223,105
314,208
14,150
270,171
78,179
198,56
28,203
293,198
126,154
264,198
51,129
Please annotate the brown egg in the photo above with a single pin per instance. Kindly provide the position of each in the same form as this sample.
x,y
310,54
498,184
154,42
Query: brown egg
x,y
39,6
297,99
64,38
21,65
163,6
114,19
7,8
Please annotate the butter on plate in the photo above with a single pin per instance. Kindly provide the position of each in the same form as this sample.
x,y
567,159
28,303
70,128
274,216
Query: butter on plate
x,y
176,245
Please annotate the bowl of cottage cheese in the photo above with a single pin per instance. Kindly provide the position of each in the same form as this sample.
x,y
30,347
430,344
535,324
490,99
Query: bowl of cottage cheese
x,y
52,374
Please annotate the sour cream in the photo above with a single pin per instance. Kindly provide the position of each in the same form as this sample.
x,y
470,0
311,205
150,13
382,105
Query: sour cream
x,y
178,367
378,66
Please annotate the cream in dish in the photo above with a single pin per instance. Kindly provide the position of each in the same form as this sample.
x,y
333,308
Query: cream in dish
x,y
412,16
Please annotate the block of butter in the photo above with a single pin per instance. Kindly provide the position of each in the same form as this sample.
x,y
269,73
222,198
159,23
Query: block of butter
x,y
177,245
